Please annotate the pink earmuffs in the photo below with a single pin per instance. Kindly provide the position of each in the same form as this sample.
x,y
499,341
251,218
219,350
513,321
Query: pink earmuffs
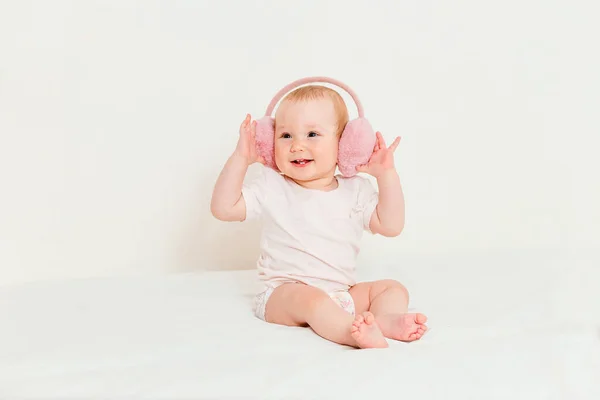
x,y
356,143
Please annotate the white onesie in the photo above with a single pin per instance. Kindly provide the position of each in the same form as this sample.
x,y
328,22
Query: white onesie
x,y
309,236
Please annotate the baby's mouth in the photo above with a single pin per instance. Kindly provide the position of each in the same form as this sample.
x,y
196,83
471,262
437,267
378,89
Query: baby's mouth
x,y
301,161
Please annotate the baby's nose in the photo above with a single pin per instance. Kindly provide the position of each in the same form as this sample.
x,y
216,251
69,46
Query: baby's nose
x,y
296,146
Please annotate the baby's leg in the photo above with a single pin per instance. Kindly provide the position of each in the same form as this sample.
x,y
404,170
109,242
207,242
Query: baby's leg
x,y
295,304
388,301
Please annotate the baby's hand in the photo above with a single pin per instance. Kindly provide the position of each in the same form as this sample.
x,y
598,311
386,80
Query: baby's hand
x,y
382,158
246,146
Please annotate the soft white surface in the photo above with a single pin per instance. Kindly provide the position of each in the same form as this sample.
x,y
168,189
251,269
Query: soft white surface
x,y
518,326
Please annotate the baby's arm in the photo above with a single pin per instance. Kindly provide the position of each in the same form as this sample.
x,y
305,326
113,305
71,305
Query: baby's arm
x,y
227,203
388,217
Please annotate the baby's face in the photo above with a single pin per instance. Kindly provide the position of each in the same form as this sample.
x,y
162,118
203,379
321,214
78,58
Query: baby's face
x,y
306,143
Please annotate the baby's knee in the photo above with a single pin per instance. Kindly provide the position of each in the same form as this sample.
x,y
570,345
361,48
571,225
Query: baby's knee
x,y
315,298
394,285
292,304
303,296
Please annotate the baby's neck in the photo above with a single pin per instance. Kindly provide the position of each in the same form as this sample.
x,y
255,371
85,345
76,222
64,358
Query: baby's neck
x,y
325,184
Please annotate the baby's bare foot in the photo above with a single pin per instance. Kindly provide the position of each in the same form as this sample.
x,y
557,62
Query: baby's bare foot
x,y
404,327
366,332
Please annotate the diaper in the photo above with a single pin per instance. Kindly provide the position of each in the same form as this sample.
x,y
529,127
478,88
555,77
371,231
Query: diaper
x,y
341,297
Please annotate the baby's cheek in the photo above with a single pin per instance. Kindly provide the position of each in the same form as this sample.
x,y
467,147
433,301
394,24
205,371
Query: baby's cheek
x,y
278,150
280,158
330,155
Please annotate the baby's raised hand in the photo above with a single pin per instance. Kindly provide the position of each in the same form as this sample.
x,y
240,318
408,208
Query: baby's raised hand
x,y
382,158
246,146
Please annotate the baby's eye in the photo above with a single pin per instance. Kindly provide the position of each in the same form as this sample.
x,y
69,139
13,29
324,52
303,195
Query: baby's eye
x,y
286,135
313,134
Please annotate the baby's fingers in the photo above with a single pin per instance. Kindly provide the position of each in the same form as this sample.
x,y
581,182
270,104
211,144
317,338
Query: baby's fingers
x,y
244,123
380,141
394,145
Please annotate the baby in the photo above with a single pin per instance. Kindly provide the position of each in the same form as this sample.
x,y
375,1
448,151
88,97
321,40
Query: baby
x,y
313,220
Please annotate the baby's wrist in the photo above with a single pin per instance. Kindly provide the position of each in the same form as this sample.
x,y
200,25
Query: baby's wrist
x,y
386,173
240,157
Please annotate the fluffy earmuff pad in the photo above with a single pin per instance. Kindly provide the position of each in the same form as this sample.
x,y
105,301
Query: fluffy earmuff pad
x,y
265,140
356,146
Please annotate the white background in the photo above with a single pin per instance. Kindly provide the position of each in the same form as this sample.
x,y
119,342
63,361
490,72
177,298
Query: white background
x,y
116,117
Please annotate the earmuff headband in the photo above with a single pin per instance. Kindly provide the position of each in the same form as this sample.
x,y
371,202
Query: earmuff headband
x,y
289,87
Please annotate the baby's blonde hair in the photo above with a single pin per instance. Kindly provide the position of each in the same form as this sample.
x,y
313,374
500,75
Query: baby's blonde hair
x,y
313,92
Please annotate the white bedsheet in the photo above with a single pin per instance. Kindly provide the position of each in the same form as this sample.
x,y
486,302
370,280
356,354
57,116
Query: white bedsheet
x,y
513,326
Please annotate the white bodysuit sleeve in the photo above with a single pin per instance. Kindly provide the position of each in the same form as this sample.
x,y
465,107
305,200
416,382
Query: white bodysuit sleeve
x,y
368,198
